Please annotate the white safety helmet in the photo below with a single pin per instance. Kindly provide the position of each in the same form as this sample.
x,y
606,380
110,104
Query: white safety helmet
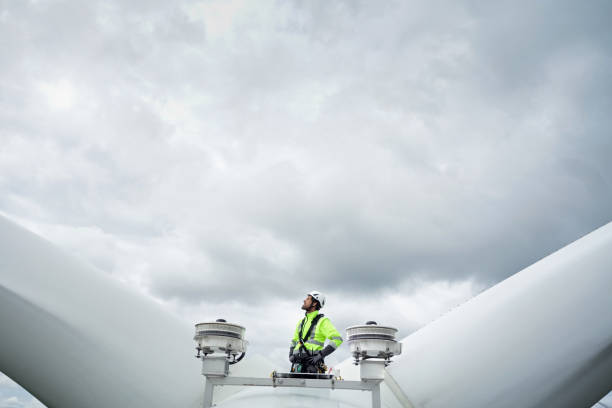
x,y
318,296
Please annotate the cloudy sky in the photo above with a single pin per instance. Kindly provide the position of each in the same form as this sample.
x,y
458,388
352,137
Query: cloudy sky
x,y
225,157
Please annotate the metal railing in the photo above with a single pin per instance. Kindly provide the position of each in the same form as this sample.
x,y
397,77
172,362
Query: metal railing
x,y
286,380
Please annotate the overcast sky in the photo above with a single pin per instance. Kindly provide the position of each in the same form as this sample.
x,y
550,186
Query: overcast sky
x,y
225,157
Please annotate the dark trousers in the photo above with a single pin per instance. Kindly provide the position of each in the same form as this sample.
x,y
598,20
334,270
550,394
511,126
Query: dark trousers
x,y
310,369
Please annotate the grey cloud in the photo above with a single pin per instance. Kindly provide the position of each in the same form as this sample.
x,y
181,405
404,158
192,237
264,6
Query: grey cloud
x,y
517,43
378,143
367,150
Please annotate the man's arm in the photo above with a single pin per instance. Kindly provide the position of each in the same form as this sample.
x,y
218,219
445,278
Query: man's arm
x,y
294,341
330,332
335,340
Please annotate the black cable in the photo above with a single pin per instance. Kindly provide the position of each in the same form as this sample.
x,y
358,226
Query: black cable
x,y
239,358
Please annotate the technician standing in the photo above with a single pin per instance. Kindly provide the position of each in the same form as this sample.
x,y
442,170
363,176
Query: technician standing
x,y
307,353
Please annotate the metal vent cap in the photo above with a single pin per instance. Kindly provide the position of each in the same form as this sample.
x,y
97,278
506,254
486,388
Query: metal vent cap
x,y
220,336
219,329
373,341
371,331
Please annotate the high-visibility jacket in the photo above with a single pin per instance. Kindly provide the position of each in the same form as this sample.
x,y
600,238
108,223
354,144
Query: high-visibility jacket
x,y
324,330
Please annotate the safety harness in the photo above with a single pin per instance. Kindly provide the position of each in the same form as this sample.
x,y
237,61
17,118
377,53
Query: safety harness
x,y
298,366
312,326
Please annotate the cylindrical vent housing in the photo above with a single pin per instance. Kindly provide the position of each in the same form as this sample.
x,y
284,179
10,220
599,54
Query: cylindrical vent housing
x,y
373,341
371,331
221,337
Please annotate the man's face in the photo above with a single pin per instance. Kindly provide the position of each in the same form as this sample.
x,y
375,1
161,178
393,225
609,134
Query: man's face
x,y
307,303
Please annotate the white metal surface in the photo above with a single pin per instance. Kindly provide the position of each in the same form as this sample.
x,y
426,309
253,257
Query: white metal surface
x,y
372,370
215,366
305,383
295,382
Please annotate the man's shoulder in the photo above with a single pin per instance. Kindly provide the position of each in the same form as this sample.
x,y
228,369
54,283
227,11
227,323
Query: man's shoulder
x,y
325,319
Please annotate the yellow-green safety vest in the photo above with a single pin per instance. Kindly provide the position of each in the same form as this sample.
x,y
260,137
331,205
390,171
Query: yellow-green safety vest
x,y
324,330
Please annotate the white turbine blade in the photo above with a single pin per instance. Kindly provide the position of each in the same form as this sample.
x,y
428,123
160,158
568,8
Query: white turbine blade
x,y
74,338
541,338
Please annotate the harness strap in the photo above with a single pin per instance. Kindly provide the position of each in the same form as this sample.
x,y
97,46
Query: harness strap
x,y
312,326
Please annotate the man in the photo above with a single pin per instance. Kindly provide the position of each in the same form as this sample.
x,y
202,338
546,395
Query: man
x,y
307,353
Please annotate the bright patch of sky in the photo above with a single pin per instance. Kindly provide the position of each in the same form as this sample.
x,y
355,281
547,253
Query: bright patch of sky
x,y
60,95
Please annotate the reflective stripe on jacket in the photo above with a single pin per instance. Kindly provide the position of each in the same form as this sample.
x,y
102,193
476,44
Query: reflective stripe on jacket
x,y
324,330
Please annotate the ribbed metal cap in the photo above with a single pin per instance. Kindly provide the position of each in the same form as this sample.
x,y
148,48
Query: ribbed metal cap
x,y
219,329
371,331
